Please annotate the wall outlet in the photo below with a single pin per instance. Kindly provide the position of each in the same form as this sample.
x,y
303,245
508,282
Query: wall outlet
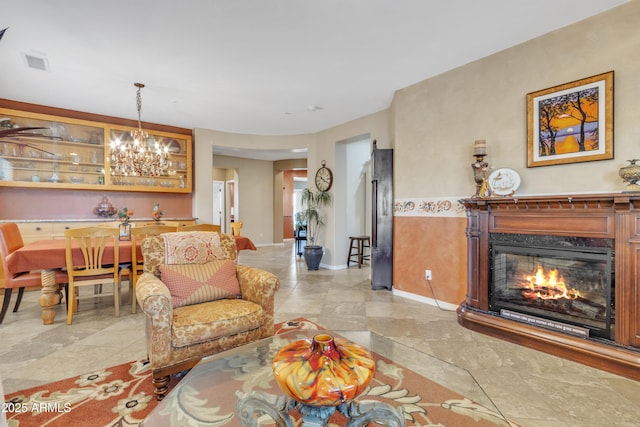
x,y
427,274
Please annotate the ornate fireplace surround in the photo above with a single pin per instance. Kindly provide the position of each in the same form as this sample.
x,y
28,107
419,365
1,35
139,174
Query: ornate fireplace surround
x,y
608,216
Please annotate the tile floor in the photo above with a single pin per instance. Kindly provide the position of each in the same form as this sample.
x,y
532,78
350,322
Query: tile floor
x,y
531,388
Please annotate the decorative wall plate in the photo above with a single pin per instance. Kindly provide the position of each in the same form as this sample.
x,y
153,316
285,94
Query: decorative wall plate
x,y
504,181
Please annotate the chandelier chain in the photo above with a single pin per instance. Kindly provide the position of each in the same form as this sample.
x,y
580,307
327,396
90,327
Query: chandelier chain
x,y
139,104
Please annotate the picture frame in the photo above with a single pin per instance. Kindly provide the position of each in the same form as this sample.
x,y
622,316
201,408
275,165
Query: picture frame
x,y
571,123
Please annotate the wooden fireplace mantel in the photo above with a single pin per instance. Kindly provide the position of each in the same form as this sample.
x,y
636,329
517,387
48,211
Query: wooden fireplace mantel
x,y
610,216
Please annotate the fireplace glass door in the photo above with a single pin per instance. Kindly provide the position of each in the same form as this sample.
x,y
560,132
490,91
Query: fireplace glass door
x,y
567,285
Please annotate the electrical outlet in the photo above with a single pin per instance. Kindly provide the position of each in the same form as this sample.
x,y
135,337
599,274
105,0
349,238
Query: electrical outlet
x,y
427,274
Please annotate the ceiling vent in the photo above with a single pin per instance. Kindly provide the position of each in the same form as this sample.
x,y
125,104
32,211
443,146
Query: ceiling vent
x,y
36,62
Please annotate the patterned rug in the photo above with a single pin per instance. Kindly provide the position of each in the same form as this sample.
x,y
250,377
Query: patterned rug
x,y
123,396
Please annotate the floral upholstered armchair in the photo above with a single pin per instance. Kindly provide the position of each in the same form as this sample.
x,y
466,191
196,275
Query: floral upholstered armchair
x,y
199,301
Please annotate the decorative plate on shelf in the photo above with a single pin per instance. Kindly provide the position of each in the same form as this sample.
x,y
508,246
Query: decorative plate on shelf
x,y
504,181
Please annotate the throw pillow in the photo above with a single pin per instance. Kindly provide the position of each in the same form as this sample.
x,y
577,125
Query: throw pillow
x,y
192,247
195,283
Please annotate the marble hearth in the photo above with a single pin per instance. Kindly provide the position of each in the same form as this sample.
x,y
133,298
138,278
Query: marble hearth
x,y
613,218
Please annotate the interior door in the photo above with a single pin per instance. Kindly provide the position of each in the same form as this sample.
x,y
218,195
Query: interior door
x,y
218,202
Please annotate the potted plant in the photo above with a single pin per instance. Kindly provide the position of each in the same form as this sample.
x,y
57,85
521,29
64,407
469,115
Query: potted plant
x,y
157,212
312,203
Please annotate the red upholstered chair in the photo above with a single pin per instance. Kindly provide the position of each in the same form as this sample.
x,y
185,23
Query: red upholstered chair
x,y
10,241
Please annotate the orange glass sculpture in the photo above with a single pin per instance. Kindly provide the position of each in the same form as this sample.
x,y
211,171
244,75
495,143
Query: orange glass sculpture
x,y
325,371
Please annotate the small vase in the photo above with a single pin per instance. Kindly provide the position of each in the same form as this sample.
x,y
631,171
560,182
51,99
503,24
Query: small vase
x,y
324,371
631,175
125,231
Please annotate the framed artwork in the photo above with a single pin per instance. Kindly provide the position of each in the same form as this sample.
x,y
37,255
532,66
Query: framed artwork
x,y
571,123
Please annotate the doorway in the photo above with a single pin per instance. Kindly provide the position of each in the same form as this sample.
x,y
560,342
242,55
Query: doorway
x,y
231,205
352,201
218,203
293,182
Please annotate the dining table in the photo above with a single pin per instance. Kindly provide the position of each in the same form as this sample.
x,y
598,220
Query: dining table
x,y
49,256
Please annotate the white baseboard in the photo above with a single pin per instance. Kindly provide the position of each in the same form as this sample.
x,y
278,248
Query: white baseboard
x,y
441,304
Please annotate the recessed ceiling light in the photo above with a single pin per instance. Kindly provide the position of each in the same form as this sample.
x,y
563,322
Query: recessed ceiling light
x,y
312,108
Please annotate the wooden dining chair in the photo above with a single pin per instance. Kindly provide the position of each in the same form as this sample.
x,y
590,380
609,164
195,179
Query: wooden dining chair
x,y
201,227
11,241
90,268
137,261
236,228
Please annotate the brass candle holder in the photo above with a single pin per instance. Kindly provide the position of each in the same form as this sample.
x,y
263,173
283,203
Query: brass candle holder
x,y
480,169
480,175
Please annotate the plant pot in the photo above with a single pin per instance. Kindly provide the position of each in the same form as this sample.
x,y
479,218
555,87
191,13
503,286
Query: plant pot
x,y
312,256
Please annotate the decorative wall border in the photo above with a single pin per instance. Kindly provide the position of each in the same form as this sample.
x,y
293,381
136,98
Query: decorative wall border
x,y
430,207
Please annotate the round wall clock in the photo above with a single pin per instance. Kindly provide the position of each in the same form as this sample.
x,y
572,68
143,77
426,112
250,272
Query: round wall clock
x,y
324,178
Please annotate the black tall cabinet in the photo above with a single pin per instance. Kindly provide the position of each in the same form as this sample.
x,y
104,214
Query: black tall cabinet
x,y
382,222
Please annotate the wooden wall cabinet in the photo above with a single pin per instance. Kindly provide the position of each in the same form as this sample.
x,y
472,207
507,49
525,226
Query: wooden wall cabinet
x,y
74,154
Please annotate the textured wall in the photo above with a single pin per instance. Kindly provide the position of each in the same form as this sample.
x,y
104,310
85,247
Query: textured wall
x,y
437,120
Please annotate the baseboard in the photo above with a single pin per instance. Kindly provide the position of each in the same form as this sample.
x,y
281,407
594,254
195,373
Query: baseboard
x,y
434,302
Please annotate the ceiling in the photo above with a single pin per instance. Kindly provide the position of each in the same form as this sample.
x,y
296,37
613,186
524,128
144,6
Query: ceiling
x,y
265,67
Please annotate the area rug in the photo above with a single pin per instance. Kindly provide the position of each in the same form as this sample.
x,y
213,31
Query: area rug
x,y
123,396
118,396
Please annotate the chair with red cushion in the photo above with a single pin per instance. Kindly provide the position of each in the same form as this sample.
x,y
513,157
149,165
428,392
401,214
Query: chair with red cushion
x,y
10,241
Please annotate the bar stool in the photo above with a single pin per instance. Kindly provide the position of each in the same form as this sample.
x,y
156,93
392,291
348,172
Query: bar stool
x,y
358,243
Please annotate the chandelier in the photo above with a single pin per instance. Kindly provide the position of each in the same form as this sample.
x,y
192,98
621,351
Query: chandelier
x,y
138,154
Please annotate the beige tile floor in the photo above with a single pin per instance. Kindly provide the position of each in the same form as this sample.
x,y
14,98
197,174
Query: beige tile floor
x,y
531,388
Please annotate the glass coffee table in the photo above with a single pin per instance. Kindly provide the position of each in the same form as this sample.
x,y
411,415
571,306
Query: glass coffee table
x,y
421,388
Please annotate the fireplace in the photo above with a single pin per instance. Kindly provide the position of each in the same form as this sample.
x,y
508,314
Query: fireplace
x,y
556,282
560,274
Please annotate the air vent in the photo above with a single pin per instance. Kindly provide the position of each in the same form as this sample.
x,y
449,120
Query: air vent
x,y
36,62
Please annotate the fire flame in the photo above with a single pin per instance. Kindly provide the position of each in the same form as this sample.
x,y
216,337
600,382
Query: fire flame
x,y
547,286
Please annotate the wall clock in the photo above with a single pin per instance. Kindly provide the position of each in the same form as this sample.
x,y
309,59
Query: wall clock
x,y
324,178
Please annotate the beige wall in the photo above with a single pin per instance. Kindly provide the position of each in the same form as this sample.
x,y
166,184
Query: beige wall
x,y
333,234
437,120
320,146
256,179
254,207
432,125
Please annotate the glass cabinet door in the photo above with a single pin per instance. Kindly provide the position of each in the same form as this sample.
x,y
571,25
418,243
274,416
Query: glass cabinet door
x,y
57,153
60,152
171,175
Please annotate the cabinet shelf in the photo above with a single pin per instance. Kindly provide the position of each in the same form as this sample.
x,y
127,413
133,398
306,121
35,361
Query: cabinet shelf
x,y
74,153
